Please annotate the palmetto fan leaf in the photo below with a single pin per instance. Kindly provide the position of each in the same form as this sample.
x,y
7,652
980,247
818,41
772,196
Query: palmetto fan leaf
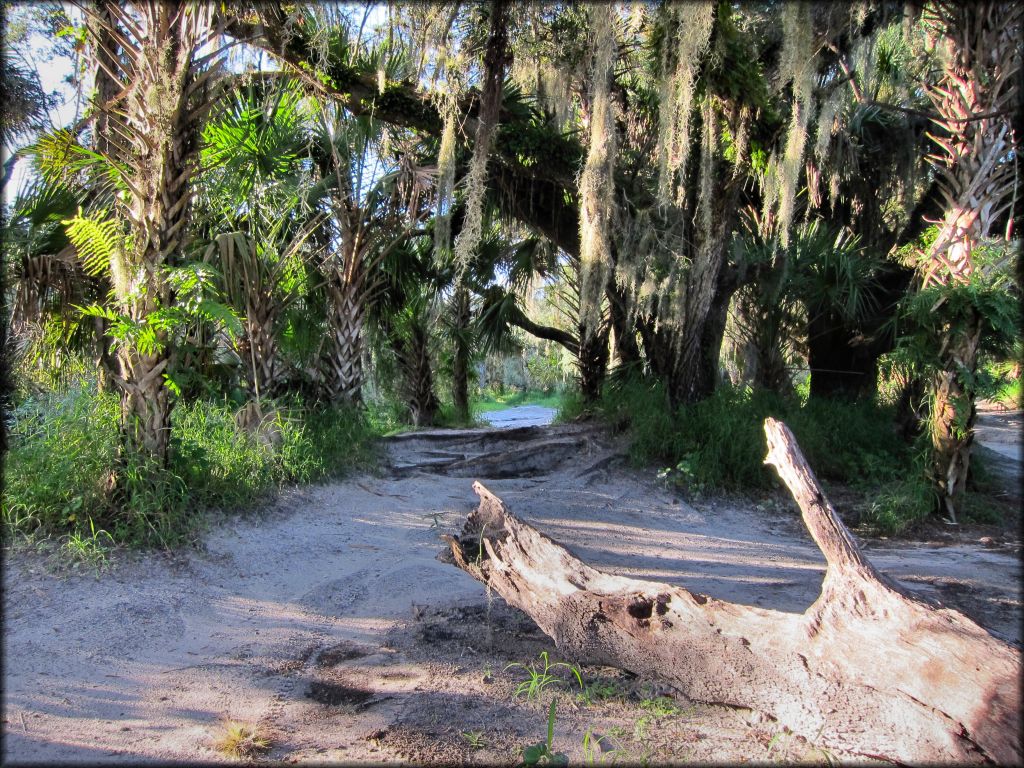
x,y
833,273
38,211
258,138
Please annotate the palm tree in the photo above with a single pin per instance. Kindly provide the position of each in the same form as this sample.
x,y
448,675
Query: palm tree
x,y
403,310
259,220
975,162
164,81
376,203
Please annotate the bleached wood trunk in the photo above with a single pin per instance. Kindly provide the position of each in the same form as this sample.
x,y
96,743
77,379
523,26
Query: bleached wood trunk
x,y
869,668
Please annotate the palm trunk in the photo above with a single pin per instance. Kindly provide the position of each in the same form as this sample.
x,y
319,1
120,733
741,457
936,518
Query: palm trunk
x,y
952,415
145,407
976,165
163,104
343,363
106,360
259,349
105,89
414,357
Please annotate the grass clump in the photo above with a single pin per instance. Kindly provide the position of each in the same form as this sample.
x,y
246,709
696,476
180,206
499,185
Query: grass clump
x,y
540,675
242,740
719,442
899,505
475,739
62,444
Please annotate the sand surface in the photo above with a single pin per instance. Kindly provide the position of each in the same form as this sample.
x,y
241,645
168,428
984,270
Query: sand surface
x,y
520,416
327,619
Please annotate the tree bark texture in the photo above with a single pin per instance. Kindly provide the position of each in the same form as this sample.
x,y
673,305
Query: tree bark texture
x,y
461,358
413,352
105,91
258,346
953,414
342,365
165,99
976,165
869,668
592,360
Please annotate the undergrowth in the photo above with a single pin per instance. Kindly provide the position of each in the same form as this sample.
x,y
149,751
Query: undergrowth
x,y
64,447
719,444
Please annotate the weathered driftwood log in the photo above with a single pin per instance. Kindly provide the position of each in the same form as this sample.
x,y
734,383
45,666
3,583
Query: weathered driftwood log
x,y
869,668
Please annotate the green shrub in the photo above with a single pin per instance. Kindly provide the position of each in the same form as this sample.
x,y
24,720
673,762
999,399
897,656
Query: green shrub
x,y
64,448
222,465
1010,394
570,407
899,505
719,442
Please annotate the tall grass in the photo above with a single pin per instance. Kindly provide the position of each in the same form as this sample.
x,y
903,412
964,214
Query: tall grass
x,y
719,443
61,445
64,446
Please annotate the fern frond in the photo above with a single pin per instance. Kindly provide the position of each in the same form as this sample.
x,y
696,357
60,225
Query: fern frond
x,y
98,241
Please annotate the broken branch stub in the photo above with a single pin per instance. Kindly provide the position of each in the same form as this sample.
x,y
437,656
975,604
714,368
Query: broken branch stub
x,y
868,668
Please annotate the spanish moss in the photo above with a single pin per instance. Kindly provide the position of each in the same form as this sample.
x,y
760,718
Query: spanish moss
x,y
597,177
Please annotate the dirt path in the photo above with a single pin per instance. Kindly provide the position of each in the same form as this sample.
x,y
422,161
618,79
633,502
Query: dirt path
x,y
520,416
329,620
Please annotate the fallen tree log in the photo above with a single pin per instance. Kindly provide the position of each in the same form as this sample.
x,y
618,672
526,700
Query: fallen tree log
x,y
869,668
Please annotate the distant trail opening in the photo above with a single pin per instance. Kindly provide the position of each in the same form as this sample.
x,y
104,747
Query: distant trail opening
x,y
520,416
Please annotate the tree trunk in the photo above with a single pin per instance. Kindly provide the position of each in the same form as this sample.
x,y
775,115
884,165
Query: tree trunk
x,y
592,361
414,358
975,163
839,369
952,415
258,348
342,364
460,363
694,371
105,90
714,326
165,100
627,351
145,407
105,359
869,668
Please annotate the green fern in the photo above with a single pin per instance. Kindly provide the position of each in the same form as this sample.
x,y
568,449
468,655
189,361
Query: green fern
x,y
98,241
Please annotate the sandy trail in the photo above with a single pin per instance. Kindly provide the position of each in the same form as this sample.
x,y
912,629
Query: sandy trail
x,y
520,416
329,620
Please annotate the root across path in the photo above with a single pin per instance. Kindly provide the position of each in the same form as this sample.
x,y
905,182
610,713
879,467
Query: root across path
x,y
327,620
